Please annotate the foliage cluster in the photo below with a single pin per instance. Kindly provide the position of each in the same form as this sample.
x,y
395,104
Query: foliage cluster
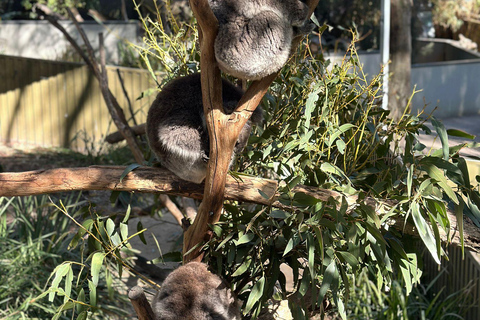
x,y
453,13
36,244
82,269
325,129
369,301
59,6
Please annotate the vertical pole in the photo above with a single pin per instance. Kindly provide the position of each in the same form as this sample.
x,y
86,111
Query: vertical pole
x,y
385,48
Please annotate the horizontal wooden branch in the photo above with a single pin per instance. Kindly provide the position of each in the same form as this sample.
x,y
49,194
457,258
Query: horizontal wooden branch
x,y
153,180
142,179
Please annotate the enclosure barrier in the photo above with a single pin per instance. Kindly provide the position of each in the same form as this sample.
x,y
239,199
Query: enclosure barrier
x,y
51,104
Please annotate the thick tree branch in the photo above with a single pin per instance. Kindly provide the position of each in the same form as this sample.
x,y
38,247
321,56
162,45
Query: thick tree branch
x,y
221,140
223,129
142,179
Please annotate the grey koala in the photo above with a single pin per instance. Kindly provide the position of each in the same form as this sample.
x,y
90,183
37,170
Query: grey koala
x,y
176,129
191,292
255,36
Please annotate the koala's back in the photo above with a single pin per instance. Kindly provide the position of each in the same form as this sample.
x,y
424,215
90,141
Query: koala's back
x,y
191,292
176,128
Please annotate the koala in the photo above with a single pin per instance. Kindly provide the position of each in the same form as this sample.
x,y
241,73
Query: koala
x,y
177,131
255,36
191,292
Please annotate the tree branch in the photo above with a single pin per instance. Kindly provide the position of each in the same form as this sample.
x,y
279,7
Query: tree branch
x,y
140,304
223,129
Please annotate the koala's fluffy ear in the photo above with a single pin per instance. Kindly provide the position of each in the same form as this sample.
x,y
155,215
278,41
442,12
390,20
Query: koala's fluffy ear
x,y
191,292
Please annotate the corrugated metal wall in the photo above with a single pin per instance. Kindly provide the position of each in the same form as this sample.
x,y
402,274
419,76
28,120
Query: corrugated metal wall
x,y
458,273
46,103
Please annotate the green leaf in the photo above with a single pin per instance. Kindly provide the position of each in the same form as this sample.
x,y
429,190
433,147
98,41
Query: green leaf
x,y
460,134
328,277
438,175
348,257
343,128
462,166
97,262
292,243
141,235
255,295
442,133
424,231
243,267
60,272
81,298
172,256
124,231
332,169
129,169
311,255
110,226
410,180
92,293
68,285
459,216
279,214
310,106
245,239
127,214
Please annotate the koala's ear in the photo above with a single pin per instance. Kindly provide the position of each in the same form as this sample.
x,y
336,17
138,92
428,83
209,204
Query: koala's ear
x,y
305,29
257,116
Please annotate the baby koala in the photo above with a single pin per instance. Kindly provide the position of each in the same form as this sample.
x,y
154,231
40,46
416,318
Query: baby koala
x,y
255,36
176,129
191,292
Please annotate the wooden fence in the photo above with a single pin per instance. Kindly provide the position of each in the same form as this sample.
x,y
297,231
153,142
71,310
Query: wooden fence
x,y
47,103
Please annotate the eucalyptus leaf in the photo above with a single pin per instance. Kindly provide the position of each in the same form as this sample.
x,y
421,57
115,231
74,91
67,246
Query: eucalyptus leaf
x,y
425,232
97,262
255,295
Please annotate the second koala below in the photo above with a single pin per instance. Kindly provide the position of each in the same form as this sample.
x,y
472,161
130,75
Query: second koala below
x,y
176,129
191,292
255,36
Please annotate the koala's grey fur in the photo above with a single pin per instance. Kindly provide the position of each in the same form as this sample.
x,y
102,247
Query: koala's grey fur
x,y
255,36
191,292
176,129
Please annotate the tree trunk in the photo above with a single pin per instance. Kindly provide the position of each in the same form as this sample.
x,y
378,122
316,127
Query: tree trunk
x,y
400,55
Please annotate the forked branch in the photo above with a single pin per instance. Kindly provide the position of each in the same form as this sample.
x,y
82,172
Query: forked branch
x,y
223,129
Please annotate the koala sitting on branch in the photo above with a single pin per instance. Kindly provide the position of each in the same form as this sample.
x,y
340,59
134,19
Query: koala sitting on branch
x,y
177,131
191,292
255,36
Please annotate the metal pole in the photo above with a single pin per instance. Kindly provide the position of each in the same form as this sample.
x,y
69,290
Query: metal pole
x,y
385,48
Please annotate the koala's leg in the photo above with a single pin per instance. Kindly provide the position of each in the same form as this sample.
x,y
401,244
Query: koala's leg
x,y
182,150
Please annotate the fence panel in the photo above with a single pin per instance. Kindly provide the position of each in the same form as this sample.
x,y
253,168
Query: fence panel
x,y
456,274
47,103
